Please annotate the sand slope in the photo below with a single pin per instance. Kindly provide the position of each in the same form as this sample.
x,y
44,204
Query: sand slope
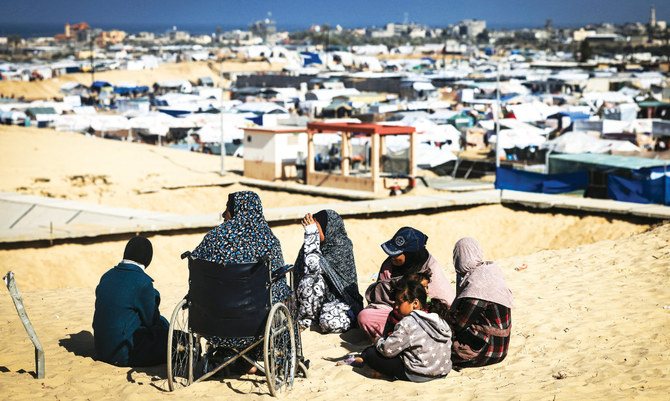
x,y
590,319
589,323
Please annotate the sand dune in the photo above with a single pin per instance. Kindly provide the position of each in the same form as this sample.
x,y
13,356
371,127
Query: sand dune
x,y
590,319
49,88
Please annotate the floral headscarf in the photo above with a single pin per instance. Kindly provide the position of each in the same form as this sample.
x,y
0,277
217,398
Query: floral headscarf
x,y
246,237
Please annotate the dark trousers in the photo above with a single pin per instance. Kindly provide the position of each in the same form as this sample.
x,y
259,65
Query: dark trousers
x,y
392,367
150,345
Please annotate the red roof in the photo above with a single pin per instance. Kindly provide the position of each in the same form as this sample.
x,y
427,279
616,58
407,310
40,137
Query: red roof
x,y
80,26
361,128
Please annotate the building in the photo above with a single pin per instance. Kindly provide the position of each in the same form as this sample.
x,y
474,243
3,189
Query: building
x,y
471,28
110,37
264,29
80,32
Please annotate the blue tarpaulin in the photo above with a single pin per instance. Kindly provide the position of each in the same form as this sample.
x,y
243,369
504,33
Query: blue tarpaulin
x,y
310,58
639,190
124,90
527,181
100,84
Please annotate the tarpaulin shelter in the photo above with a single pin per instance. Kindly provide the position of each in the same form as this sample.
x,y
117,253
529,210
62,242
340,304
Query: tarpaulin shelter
x,y
624,178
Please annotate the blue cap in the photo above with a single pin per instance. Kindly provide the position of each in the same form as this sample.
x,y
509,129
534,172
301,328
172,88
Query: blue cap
x,y
407,239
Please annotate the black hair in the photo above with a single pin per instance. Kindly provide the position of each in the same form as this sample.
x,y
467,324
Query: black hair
x,y
408,290
440,308
420,276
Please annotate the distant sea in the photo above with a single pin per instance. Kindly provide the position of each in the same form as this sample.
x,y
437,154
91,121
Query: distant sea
x,y
50,29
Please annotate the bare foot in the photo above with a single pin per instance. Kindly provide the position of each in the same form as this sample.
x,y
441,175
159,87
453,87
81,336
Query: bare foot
x,y
253,369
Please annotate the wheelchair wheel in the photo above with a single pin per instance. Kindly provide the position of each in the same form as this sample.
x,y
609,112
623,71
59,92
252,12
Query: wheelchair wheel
x,y
182,349
279,349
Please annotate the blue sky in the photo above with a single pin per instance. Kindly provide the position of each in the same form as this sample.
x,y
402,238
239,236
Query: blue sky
x,y
348,13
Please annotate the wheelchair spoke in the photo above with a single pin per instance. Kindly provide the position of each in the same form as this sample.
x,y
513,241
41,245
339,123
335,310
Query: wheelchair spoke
x,y
280,356
184,349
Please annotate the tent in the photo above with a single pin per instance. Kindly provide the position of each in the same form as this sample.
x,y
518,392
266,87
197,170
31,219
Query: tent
x,y
581,142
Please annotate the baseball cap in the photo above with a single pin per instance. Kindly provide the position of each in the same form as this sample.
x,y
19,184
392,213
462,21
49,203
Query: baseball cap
x,y
407,239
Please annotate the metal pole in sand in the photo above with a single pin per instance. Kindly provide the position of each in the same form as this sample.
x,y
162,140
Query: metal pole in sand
x,y
497,111
223,146
10,282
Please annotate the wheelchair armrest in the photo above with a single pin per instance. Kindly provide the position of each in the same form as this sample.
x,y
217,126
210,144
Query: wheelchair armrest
x,y
277,275
186,254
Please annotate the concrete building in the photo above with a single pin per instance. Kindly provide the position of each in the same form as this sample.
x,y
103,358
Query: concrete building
x,y
471,28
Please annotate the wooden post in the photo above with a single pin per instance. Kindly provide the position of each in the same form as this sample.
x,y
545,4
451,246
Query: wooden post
x,y
309,163
374,161
18,303
344,153
412,155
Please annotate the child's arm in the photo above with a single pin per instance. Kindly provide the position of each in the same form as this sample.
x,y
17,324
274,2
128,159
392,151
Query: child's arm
x,y
395,343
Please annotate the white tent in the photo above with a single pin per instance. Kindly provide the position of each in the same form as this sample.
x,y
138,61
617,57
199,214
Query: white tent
x,y
581,142
105,123
260,108
155,123
512,138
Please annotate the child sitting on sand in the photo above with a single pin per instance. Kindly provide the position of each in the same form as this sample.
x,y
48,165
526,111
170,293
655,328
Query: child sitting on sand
x,y
419,349
394,317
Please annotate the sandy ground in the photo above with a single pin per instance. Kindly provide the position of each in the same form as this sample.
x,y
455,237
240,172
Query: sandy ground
x,y
192,71
591,313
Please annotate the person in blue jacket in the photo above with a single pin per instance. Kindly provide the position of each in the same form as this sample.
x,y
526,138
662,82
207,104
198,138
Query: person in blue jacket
x,y
128,329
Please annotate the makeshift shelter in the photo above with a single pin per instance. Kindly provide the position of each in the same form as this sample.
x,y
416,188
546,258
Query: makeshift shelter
x,y
337,109
43,115
374,182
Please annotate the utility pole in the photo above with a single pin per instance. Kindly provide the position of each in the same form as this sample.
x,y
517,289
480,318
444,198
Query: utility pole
x,y
223,144
92,58
497,112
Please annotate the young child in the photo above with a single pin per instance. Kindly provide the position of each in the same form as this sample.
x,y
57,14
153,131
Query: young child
x,y
394,316
419,349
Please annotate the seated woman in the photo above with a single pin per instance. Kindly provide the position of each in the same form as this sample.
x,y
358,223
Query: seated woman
x,y
128,329
244,236
325,273
481,316
407,254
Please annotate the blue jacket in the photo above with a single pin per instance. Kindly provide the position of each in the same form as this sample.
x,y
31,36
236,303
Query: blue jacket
x,y
127,327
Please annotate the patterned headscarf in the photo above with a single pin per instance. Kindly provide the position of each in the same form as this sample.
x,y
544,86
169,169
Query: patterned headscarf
x,y
244,238
479,279
340,269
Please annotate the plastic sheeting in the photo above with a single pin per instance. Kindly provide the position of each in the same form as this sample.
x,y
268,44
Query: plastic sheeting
x,y
527,181
639,190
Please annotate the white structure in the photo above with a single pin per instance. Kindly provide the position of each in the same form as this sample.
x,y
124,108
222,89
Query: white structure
x,y
272,153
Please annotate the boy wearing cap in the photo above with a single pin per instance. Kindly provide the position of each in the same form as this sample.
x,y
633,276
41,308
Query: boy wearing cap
x,y
128,329
407,254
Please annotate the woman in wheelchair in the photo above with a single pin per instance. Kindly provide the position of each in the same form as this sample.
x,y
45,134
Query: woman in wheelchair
x,y
244,236
325,274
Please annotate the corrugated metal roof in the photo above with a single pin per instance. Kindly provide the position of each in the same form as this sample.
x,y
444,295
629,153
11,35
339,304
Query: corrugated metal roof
x,y
627,162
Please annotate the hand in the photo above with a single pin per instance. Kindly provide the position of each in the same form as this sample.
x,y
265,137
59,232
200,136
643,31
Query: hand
x,y
307,220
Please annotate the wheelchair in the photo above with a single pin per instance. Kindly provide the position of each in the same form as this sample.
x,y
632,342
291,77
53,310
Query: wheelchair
x,y
233,301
